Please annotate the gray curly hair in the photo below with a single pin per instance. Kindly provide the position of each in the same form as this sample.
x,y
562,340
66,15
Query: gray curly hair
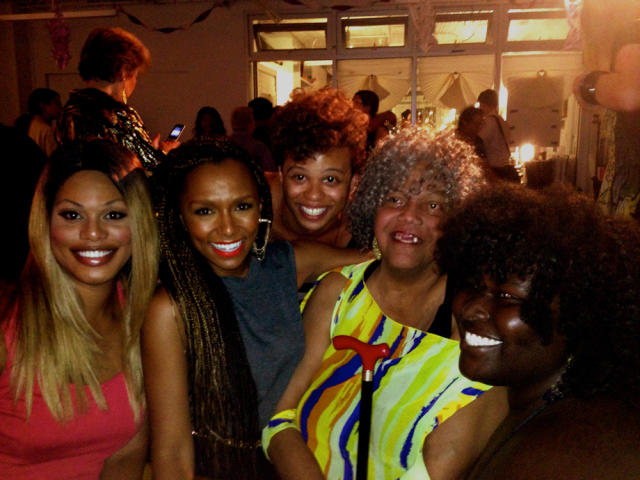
x,y
448,164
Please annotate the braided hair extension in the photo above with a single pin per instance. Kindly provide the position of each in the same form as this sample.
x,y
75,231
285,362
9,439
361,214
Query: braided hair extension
x,y
222,393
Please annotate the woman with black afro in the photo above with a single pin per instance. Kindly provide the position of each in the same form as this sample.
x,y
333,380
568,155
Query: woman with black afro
x,y
547,303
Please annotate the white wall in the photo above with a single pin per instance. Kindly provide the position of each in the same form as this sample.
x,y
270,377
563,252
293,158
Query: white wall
x,y
205,65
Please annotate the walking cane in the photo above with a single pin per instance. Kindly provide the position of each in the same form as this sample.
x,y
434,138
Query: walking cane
x,y
369,354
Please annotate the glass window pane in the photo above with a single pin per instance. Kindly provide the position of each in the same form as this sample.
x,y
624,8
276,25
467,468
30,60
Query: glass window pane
x,y
374,32
276,80
452,29
536,29
298,34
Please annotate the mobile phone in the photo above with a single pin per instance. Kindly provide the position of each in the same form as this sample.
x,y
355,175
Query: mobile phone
x,y
175,133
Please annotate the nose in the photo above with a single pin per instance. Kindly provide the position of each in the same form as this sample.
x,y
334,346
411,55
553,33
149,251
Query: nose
x,y
411,212
227,225
478,307
314,191
93,229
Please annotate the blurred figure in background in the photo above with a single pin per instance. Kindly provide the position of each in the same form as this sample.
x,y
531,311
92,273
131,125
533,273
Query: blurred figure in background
x,y
208,122
110,62
469,126
243,127
44,107
378,128
611,37
262,112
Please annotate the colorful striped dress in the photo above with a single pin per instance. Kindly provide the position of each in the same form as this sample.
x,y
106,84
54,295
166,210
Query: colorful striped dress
x,y
415,389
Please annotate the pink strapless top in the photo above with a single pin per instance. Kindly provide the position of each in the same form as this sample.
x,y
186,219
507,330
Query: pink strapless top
x,y
42,448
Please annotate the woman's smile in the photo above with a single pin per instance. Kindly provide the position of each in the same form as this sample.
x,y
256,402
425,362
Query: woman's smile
x,y
228,249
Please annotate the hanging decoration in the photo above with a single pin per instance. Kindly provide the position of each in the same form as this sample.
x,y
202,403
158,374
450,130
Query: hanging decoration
x,y
529,4
60,35
424,22
200,18
574,11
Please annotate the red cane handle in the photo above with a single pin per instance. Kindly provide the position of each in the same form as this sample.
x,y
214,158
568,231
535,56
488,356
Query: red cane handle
x,y
369,354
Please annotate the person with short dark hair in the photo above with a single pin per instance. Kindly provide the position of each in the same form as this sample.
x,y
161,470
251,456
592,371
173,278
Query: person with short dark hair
x,y
110,61
470,123
208,122
495,137
262,112
377,130
43,108
547,301
319,142
243,126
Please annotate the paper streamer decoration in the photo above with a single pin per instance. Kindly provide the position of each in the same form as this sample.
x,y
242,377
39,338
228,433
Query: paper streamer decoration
x,y
60,35
574,10
200,18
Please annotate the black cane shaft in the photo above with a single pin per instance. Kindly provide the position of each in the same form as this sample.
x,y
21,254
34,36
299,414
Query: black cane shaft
x,y
364,430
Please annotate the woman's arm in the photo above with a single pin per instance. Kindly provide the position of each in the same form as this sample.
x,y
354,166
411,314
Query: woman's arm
x,y
618,90
315,258
165,380
128,462
287,450
452,448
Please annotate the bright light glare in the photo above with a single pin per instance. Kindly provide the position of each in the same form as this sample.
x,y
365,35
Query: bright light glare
x,y
526,153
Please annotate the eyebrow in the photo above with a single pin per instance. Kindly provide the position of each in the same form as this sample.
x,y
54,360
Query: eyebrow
x,y
82,206
239,199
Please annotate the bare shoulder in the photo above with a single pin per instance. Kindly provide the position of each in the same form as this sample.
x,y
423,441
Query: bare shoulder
x,y
328,290
163,317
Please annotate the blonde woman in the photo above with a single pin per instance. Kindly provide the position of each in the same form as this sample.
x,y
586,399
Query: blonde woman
x,y
71,391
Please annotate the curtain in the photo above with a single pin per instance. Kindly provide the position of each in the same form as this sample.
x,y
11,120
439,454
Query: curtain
x,y
390,79
455,82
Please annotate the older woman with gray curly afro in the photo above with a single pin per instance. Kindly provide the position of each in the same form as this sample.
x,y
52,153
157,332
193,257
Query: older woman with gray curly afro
x,y
448,165
409,185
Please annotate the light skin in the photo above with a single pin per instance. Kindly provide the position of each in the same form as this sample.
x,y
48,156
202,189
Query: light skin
x,y
408,288
220,209
90,217
310,197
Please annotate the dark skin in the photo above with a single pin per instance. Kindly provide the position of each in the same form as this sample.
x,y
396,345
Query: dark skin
x,y
597,437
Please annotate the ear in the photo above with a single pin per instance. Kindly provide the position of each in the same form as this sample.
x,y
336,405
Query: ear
x,y
280,174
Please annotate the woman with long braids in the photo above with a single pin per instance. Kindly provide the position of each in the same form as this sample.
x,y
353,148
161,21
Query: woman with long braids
x,y
223,334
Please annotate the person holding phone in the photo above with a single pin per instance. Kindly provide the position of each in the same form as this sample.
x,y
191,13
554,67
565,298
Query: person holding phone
x,y
110,62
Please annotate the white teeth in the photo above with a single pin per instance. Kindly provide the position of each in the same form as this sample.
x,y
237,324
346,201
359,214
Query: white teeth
x,y
478,341
94,253
227,247
313,211
406,238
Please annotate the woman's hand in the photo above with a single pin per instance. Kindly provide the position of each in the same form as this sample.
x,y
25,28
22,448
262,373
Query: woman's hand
x,y
166,147
165,379
287,449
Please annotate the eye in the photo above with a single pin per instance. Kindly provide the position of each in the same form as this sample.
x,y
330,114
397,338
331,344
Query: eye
x,y
203,211
245,206
331,179
69,215
115,215
508,296
299,177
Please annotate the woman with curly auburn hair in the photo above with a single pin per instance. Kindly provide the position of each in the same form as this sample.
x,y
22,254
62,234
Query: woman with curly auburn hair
x,y
547,302
319,142
410,183
110,61
72,401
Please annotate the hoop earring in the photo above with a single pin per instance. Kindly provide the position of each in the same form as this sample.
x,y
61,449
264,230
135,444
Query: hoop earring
x,y
262,251
377,254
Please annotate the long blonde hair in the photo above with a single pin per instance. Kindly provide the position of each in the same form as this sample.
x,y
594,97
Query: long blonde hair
x,y
55,343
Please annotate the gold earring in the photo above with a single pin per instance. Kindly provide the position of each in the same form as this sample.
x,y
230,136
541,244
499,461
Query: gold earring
x,y
124,92
377,254
262,251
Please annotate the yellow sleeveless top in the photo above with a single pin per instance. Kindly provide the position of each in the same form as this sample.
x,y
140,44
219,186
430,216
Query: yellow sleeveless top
x,y
418,387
